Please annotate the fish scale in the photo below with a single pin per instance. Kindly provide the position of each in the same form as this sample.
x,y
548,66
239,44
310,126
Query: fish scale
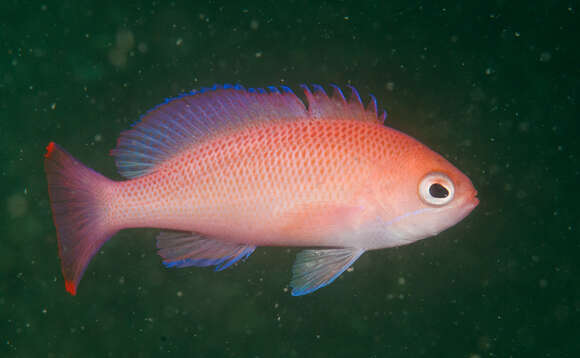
x,y
227,169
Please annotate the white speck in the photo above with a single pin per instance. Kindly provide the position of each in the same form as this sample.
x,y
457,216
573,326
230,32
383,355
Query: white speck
x,y
44,311
121,280
17,206
521,194
98,138
53,106
390,86
401,281
346,18
254,24
259,54
524,126
179,41
517,34
179,294
350,269
142,47
489,71
545,56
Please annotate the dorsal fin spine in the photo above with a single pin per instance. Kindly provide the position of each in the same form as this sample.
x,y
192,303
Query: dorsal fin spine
x,y
354,96
319,89
372,105
337,94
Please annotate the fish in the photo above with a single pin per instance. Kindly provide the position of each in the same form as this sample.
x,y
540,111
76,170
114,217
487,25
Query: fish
x,y
224,170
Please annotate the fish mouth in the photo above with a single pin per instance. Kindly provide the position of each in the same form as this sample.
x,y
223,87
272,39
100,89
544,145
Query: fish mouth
x,y
474,198
471,201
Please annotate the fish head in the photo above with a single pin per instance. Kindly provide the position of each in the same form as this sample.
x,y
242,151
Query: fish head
x,y
424,195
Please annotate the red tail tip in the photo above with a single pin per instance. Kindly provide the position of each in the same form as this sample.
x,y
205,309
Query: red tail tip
x,y
70,287
49,149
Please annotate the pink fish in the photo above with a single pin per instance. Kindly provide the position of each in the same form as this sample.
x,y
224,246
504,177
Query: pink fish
x,y
227,169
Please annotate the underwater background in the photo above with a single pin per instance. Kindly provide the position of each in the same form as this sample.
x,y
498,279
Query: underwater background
x,y
491,85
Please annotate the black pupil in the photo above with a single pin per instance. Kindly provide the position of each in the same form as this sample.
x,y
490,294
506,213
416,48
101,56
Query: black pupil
x,y
438,191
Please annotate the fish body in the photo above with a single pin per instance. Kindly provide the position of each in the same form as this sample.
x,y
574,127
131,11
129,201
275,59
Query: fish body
x,y
225,170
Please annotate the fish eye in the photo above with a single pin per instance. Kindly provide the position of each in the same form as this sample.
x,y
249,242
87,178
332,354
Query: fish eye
x,y
436,189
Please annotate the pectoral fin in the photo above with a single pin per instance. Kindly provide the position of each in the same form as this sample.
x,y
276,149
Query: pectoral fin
x,y
314,269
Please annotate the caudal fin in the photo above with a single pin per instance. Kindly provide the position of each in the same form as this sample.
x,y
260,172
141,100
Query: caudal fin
x,y
75,197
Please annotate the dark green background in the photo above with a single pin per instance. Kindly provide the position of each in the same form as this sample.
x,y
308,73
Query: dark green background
x,y
491,85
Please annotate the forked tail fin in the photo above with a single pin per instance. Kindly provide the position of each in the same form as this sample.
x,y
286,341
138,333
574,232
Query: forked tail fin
x,y
76,199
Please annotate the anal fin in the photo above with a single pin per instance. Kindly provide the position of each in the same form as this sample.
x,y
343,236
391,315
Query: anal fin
x,y
314,269
183,249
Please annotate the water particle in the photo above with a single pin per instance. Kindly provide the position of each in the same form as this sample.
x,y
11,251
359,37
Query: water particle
x,y
16,206
401,281
124,43
259,54
545,56
179,42
142,47
254,24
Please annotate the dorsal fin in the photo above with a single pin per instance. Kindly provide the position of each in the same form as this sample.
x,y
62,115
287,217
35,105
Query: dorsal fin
x,y
191,117
337,106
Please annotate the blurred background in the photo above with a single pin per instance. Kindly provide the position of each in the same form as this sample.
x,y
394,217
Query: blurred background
x,y
492,85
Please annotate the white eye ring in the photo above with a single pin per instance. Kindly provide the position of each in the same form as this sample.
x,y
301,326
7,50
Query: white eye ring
x,y
436,189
